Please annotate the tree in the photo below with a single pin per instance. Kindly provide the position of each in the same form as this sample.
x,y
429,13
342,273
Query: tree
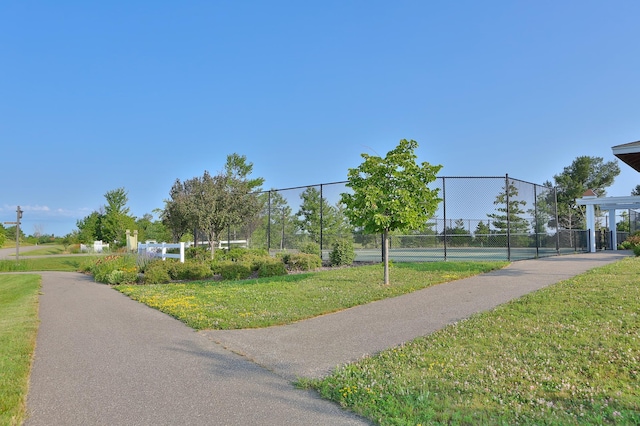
x,y
176,216
481,234
636,191
583,174
507,218
391,193
457,235
90,228
211,204
116,218
3,235
316,216
277,221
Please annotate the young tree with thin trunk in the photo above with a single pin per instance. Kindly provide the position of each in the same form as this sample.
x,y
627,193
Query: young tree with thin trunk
x,y
391,193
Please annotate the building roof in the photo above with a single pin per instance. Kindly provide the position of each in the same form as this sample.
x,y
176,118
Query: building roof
x,y
629,153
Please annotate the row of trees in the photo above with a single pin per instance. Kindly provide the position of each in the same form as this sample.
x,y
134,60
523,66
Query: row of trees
x,y
208,206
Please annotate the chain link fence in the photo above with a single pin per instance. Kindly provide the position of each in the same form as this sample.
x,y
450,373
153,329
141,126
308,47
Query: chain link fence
x,y
478,218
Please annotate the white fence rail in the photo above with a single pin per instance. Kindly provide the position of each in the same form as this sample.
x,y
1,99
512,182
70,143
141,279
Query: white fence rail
x,y
160,250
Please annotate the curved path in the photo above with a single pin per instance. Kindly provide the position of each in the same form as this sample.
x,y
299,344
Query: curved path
x,y
103,359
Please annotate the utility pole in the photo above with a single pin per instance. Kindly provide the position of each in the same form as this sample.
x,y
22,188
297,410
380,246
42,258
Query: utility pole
x,y
17,224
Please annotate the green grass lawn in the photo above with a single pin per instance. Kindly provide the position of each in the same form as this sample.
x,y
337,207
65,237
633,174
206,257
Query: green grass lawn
x,y
53,263
44,250
18,328
566,355
281,300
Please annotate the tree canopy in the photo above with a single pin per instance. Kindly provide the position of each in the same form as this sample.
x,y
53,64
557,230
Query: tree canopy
x,y
211,203
391,193
583,174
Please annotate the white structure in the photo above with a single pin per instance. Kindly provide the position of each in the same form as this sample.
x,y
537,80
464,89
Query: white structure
x,y
160,250
630,154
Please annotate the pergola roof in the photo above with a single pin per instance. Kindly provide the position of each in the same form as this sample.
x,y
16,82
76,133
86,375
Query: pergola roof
x,y
629,153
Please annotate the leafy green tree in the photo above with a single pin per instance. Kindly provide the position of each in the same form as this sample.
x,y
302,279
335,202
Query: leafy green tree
x,y
309,212
391,193
116,218
3,235
150,229
316,214
481,234
457,235
636,191
10,233
211,204
583,174
90,228
176,216
277,221
624,225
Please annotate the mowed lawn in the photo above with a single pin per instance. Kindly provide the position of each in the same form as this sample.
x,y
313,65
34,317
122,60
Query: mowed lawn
x,y
18,329
282,300
565,355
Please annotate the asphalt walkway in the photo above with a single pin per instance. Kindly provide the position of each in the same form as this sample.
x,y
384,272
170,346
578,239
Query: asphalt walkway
x,y
103,359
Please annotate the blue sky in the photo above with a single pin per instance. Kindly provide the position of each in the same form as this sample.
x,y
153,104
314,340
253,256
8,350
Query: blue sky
x,y
95,96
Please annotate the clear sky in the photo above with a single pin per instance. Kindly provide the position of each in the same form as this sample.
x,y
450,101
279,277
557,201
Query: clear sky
x,y
98,95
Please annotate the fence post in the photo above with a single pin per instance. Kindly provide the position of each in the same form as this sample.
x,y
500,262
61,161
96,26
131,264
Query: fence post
x,y
321,221
506,189
555,206
444,210
182,252
535,219
269,221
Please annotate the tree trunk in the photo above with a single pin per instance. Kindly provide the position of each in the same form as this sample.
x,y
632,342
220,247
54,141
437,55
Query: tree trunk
x,y
385,239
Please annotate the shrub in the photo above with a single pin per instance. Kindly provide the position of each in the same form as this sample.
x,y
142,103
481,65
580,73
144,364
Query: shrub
x,y
240,254
104,266
190,270
157,273
200,254
636,250
126,276
270,267
311,248
342,253
234,270
304,262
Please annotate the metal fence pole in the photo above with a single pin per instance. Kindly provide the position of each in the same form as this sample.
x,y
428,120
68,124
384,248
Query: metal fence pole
x,y
536,219
508,219
321,221
555,205
444,209
269,221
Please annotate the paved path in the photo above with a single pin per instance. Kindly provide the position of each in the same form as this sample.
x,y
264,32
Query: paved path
x,y
103,359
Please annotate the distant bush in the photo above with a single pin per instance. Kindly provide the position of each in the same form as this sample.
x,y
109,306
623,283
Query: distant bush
x,y
189,270
304,262
311,248
230,270
123,276
342,253
270,267
157,273
102,268
200,254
